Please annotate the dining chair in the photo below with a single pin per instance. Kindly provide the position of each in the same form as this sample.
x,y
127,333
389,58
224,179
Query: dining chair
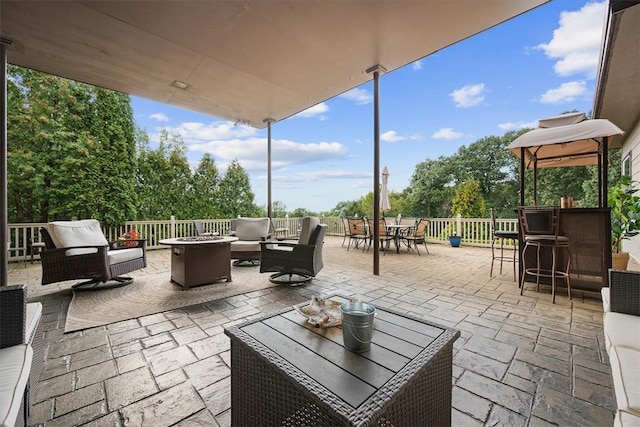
x,y
416,235
384,236
357,232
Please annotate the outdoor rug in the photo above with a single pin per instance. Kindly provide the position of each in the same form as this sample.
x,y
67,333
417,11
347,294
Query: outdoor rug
x,y
152,294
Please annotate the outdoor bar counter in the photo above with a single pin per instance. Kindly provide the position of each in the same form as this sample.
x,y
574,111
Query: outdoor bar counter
x,y
589,231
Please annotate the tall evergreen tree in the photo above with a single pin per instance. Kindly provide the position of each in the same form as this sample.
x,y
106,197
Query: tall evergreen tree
x,y
205,202
65,141
235,192
163,178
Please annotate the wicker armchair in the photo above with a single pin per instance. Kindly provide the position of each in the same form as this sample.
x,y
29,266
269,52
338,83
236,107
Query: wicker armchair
x,y
79,250
302,259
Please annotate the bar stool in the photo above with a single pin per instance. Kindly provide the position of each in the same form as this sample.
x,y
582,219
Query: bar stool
x,y
540,227
502,235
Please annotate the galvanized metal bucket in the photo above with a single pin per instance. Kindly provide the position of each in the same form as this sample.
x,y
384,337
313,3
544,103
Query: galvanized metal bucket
x,y
357,325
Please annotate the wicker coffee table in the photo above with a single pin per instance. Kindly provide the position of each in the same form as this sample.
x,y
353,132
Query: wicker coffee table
x,y
286,372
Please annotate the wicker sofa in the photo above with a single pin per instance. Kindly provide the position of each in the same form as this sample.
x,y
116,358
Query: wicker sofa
x,y
621,303
21,353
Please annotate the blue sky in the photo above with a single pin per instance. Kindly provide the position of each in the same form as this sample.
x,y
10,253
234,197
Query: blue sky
x,y
534,66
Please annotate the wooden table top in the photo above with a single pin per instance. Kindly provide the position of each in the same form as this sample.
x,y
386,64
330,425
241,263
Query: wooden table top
x,y
320,354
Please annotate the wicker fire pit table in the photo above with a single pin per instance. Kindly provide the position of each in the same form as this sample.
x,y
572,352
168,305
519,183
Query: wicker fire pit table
x,y
284,371
200,260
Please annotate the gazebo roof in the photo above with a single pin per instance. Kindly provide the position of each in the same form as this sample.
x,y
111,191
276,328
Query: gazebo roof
x,y
564,140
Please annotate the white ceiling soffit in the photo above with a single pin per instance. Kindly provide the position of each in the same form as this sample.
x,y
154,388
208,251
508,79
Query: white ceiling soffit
x,y
243,60
617,96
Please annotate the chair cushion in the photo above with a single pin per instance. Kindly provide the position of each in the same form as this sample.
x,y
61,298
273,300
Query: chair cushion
x,y
68,234
545,238
606,300
34,313
309,224
252,228
15,365
622,330
245,246
625,372
124,255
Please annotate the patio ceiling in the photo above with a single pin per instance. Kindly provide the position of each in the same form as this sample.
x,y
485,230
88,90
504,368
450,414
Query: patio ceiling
x,y
243,60
617,95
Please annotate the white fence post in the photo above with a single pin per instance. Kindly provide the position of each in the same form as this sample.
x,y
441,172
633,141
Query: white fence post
x,y
459,225
173,227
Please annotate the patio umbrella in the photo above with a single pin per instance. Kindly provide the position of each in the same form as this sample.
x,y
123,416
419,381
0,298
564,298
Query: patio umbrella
x,y
385,205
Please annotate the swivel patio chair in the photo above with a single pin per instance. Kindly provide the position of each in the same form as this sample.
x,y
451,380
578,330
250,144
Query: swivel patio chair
x,y
79,250
201,230
299,261
502,235
250,232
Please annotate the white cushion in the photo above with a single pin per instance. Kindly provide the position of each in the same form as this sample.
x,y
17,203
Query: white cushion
x,y
622,330
69,234
34,313
123,255
625,372
625,419
606,300
252,228
15,365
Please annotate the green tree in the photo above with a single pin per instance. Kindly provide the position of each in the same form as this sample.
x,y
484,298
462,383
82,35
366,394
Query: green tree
x,y
302,212
236,194
431,188
163,178
205,202
66,140
278,209
468,200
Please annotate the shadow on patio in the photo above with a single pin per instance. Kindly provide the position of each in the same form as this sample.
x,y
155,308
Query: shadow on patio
x,y
519,361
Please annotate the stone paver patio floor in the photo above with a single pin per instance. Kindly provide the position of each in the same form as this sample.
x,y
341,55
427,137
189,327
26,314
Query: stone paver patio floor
x,y
520,360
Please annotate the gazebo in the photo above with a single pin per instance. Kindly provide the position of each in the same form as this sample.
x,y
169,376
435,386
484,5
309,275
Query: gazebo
x,y
572,140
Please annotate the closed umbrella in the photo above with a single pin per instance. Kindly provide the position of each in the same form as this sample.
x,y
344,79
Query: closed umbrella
x,y
385,205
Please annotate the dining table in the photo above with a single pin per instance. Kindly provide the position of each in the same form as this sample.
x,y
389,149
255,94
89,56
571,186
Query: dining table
x,y
395,229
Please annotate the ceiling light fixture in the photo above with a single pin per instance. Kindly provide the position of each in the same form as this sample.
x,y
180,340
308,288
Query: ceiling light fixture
x,y
180,85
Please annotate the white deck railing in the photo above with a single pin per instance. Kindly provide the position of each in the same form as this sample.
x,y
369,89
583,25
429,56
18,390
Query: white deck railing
x,y
474,231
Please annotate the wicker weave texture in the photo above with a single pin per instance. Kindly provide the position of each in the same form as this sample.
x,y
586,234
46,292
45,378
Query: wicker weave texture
x,y
624,292
268,390
13,313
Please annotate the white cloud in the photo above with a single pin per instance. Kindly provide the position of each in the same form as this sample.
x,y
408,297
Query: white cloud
x,y
447,133
468,96
566,92
252,152
517,125
159,117
391,136
197,131
417,65
316,110
359,96
576,42
314,176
